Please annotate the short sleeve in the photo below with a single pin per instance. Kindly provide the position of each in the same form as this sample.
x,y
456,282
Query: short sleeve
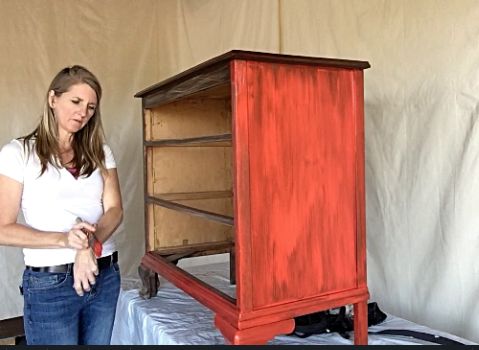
x,y
13,160
109,158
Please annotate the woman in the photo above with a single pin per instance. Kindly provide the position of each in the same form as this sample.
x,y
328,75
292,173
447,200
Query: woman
x,y
64,179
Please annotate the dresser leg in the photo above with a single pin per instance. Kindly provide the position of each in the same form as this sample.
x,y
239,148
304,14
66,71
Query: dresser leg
x,y
361,323
255,335
150,282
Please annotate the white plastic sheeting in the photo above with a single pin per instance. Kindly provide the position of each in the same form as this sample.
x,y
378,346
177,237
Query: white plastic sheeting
x,y
421,104
174,318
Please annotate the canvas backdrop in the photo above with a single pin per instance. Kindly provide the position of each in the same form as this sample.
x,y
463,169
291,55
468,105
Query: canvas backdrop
x,y
421,115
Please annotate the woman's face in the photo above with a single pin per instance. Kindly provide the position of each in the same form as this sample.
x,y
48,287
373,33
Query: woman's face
x,y
74,108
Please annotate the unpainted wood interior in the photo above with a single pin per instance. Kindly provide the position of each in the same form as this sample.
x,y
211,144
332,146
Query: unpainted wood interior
x,y
223,206
195,175
194,116
172,228
190,169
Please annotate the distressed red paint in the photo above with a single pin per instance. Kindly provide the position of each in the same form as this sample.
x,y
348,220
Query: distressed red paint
x,y
298,184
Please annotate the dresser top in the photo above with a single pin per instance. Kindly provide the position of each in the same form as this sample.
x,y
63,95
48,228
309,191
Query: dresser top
x,y
222,60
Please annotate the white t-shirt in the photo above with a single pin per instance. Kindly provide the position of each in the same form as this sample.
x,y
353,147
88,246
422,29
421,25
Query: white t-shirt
x,y
53,201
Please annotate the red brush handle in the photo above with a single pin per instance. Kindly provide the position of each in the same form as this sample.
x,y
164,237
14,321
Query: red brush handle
x,y
97,248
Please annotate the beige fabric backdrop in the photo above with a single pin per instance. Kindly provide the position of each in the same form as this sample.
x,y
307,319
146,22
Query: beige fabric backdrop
x,y
422,104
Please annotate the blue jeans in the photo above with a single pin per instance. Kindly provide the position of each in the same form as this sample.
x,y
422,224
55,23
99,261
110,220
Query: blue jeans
x,y
55,315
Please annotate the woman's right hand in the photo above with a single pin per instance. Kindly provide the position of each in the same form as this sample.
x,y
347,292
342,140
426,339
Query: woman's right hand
x,y
85,269
77,237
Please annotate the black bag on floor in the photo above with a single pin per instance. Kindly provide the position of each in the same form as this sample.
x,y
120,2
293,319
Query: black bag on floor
x,y
334,321
341,322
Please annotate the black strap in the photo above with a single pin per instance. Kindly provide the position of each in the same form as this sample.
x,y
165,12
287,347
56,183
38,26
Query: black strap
x,y
432,338
326,322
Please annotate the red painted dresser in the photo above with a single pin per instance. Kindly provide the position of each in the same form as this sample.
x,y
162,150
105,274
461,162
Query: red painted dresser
x,y
260,155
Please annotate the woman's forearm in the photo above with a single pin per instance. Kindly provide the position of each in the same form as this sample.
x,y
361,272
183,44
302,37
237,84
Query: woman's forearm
x,y
18,235
108,223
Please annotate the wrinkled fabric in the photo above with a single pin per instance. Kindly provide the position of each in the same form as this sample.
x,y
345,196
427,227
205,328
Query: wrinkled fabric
x,y
174,318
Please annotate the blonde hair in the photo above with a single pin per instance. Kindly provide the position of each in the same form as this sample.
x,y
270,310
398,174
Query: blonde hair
x,y
87,143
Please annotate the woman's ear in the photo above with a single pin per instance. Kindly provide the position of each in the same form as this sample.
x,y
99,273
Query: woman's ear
x,y
51,98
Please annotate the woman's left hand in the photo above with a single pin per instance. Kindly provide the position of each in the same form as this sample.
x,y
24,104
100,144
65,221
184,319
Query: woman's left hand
x,y
84,271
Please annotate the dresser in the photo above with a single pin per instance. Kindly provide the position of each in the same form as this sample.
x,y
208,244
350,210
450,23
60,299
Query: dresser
x,y
260,156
